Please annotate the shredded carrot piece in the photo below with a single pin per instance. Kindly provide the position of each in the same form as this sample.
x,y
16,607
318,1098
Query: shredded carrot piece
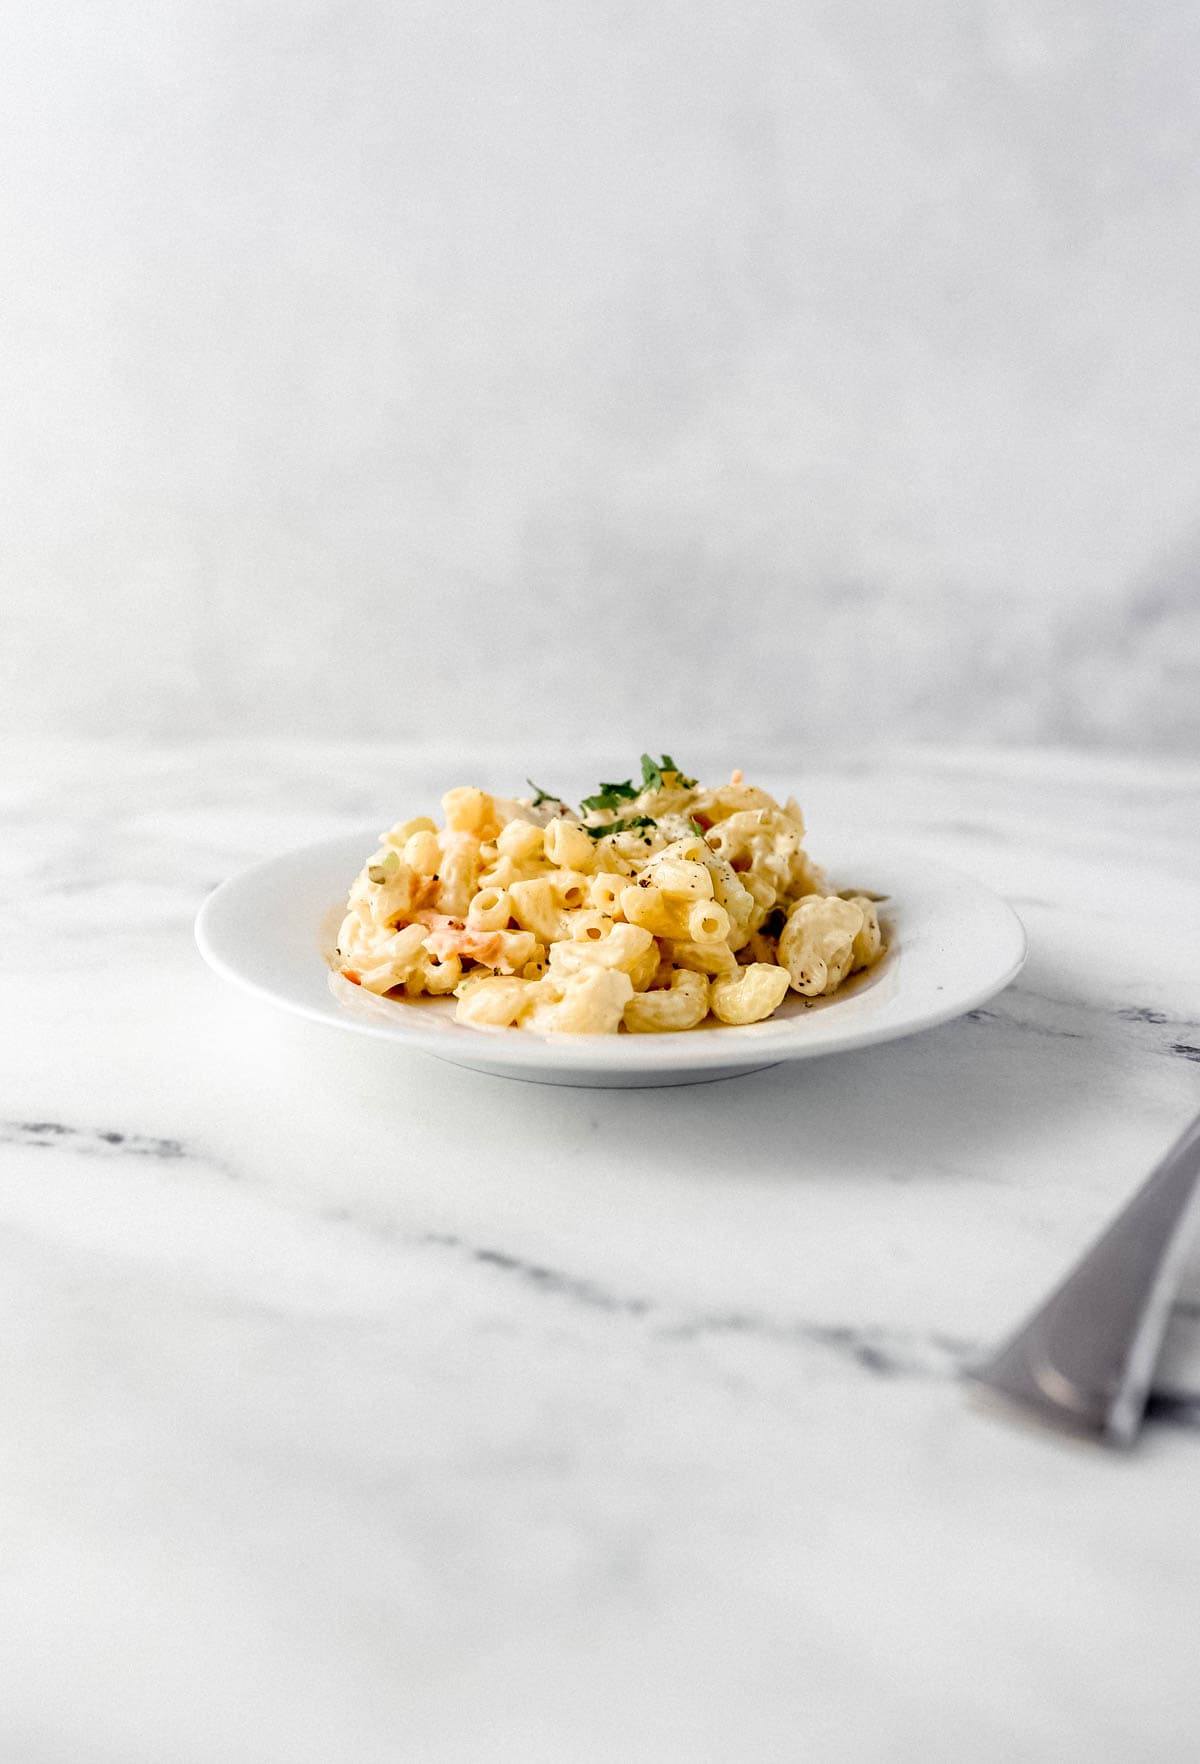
x,y
352,975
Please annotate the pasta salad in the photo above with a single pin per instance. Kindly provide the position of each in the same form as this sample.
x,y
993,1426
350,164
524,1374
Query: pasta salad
x,y
656,905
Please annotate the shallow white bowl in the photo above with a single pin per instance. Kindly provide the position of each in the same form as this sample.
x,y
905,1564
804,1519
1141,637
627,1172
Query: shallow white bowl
x,y
952,945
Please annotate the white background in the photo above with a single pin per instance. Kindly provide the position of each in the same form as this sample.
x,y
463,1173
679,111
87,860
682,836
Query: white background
x,y
769,373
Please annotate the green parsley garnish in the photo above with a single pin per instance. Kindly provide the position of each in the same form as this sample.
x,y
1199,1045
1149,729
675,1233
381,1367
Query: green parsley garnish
x,y
541,795
652,773
620,826
610,796
668,765
696,827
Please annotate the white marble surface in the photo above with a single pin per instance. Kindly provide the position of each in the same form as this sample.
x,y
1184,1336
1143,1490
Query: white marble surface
x,y
360,1408
852,341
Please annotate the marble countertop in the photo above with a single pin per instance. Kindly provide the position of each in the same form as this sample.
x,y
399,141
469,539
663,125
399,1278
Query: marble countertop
x,y
362,1408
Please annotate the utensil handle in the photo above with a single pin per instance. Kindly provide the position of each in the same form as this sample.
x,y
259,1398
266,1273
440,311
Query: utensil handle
x,y
1086,1358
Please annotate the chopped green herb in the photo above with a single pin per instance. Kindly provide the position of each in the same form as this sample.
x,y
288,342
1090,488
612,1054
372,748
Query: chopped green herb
x,y
668,765
610,796
696,827
624,826
541,795
652,778
652,773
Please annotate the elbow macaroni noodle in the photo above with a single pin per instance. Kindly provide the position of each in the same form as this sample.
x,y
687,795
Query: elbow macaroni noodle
x,y
651,913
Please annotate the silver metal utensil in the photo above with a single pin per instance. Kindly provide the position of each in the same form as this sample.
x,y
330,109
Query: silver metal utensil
x,y
1086,1359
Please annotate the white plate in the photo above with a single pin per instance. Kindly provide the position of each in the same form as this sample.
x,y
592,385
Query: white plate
x,y
952,945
